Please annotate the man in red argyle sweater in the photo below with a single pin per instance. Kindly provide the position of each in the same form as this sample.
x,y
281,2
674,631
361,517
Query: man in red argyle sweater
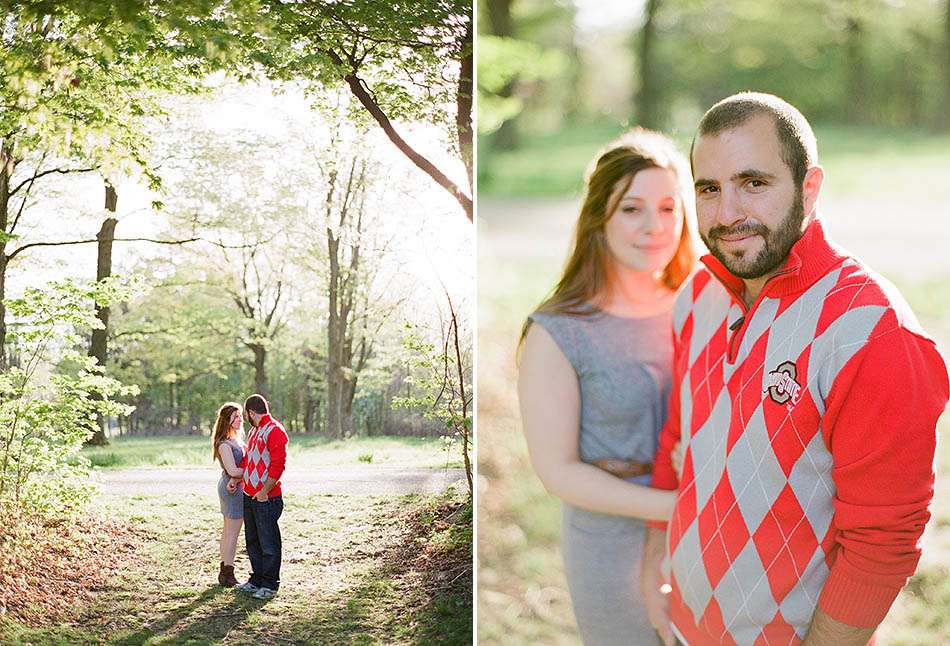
x,y
805,396
263,464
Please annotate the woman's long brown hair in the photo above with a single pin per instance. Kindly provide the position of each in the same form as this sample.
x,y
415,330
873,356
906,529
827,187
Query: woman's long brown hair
x,y
585,279
222,427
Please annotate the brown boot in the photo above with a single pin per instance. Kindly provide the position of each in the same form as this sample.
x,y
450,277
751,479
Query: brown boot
x,y
226,576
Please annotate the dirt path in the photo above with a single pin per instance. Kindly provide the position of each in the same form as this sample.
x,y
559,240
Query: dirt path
x,y
368,480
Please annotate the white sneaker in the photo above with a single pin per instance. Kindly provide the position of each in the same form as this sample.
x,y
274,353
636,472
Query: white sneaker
x,y
247,587
265,594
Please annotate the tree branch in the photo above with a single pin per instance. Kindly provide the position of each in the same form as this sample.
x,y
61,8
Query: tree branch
x,y
361,91
61,171
18,250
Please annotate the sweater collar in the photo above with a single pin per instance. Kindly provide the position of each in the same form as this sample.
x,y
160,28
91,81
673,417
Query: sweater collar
x,y
810,258
265,420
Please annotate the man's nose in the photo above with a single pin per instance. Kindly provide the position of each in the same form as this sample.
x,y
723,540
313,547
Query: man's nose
x,y
729,208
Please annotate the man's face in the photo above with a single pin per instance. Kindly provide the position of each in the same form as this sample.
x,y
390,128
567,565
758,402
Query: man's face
x,y
749,210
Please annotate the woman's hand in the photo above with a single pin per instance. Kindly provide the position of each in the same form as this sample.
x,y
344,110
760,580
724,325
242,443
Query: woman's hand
x,y
651,586
233,484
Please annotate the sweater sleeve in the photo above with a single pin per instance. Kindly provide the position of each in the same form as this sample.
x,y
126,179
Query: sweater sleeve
x,y
880,426
277,445
664,475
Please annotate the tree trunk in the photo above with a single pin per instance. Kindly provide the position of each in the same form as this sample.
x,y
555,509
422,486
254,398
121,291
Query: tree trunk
x,y
648,99
341,374
499,19
334,342
308,412
260,368
98,347
6,170
857,101
346,408
463,113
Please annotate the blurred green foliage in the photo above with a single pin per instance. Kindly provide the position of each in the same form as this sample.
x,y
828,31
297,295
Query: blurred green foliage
x,y
877,64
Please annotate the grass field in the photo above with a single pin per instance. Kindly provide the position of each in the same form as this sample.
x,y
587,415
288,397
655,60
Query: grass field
x,y
356,570
553,165
885,200
303,450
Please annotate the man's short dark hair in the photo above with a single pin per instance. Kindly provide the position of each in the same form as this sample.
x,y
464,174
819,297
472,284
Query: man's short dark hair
x,y
257,404
799,148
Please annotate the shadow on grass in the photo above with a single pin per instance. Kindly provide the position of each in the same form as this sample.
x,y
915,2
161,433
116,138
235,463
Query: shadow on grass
x,y
207,619
419,593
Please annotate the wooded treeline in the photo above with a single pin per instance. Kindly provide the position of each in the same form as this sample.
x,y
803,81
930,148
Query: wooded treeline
x,y
882,63
294,289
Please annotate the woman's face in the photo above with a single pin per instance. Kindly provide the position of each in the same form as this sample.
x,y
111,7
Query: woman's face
x,y
236,420
643,232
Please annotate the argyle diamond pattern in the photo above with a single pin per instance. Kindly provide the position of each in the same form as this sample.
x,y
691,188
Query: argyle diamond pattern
x,y
258,459
749,538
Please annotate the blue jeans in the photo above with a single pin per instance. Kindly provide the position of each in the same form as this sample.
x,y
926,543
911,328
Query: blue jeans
x,y
262,536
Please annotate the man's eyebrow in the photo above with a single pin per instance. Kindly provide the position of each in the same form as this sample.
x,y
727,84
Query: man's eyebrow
x,y
748,173
752,173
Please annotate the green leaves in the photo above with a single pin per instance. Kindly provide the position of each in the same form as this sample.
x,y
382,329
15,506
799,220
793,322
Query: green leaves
x,y
503,61
51,397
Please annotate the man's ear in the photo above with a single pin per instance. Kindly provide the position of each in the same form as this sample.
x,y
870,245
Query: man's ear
x,y
811,188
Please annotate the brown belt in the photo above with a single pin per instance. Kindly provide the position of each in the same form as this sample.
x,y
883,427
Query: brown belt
x,y
624,468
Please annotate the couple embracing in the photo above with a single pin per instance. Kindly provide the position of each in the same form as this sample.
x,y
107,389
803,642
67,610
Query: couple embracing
x,y
250,494
744,449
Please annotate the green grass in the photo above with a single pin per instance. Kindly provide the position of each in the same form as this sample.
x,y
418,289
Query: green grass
x,y
356,570
304,450
553,164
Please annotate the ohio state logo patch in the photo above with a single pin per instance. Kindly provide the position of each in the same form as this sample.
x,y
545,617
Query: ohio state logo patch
x,y
781,384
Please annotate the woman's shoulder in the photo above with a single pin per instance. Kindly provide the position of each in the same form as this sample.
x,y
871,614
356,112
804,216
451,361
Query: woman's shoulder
x,y
568,331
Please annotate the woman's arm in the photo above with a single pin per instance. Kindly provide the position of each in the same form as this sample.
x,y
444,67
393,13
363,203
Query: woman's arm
x,y
227,461
550,413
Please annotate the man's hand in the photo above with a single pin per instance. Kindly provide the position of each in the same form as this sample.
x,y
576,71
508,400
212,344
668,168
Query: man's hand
x,y
825,631
677,456
261,496
656,601
233,484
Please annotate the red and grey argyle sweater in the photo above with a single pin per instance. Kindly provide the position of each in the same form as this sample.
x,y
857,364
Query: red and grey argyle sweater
x,y
265,457
808,422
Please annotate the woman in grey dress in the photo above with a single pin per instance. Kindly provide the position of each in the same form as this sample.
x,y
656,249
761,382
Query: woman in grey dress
x,y
595,376
229,452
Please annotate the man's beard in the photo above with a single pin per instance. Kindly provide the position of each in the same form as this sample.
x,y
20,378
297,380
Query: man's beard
x,y
773,253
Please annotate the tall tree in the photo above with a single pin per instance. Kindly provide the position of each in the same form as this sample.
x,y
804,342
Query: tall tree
x,y
502,25
648,94
858,100
259,296
98,345
341,293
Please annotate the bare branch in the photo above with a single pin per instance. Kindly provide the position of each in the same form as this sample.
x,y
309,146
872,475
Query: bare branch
x,y
31,245
62,171
362,92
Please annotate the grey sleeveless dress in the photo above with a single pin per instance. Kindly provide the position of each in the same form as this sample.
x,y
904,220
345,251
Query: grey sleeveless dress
x,y
232,504
623,369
